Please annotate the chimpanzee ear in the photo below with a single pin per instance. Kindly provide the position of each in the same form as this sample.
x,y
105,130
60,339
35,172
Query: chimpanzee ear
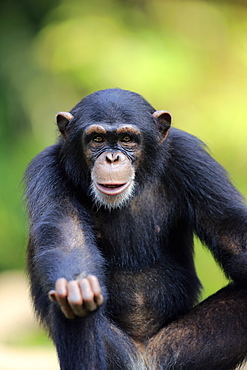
x,y
164,120
63,119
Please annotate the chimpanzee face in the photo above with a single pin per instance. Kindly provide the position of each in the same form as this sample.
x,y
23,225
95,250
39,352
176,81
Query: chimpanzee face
x,y
114,139
113,153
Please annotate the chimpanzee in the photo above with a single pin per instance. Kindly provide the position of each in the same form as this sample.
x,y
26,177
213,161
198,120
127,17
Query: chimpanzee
x,y
113,208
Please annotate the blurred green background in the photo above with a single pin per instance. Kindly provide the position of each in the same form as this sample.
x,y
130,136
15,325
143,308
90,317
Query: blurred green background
x,y
188,57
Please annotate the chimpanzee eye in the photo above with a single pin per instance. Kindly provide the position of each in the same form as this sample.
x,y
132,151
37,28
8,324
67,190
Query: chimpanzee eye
x,y
126,139
98,139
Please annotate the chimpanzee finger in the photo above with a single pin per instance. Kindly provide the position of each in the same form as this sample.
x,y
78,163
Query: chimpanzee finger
x,y
75,298
95,286
61,298
99,300
88,295
61,287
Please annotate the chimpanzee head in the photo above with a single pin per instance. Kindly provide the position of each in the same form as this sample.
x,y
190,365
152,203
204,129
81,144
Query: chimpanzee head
x,y
111,135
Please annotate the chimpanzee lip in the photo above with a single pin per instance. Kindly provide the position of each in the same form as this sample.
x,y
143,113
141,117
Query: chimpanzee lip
x,y
112,188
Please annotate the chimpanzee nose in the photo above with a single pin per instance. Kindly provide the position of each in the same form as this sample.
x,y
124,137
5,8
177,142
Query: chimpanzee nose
x,y
112,157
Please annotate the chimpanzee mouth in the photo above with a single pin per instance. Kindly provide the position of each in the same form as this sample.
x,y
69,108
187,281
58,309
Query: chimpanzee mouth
x,y
112,188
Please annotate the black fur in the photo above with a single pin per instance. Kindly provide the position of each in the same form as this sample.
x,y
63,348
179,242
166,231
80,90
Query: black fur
x,y
142,253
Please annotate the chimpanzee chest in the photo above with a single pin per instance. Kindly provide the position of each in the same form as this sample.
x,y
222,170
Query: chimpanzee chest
x,y
147,286
133,238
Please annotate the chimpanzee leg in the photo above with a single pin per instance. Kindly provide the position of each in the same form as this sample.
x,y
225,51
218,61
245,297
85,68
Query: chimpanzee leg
x,y
91,343
212,336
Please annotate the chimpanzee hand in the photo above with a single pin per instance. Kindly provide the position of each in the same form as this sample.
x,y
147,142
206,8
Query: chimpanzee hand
x,y
77,297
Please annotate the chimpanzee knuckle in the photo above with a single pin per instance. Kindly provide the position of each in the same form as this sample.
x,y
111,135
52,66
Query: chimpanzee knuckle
x,y
75,301
94,283
61,287
86,290
74,293
97,291
88,296
93,279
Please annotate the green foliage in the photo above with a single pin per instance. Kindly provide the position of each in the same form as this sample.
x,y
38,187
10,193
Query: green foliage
x,y
189,57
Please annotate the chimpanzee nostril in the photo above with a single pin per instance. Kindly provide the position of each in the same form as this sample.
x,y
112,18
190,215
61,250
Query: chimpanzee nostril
x,y
112,157
116,157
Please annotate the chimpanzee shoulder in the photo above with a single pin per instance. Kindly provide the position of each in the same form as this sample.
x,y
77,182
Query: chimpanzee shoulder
x,y
190,160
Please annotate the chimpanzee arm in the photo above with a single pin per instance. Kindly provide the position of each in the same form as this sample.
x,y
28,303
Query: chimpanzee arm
x,y
61,242
216,209
62,255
